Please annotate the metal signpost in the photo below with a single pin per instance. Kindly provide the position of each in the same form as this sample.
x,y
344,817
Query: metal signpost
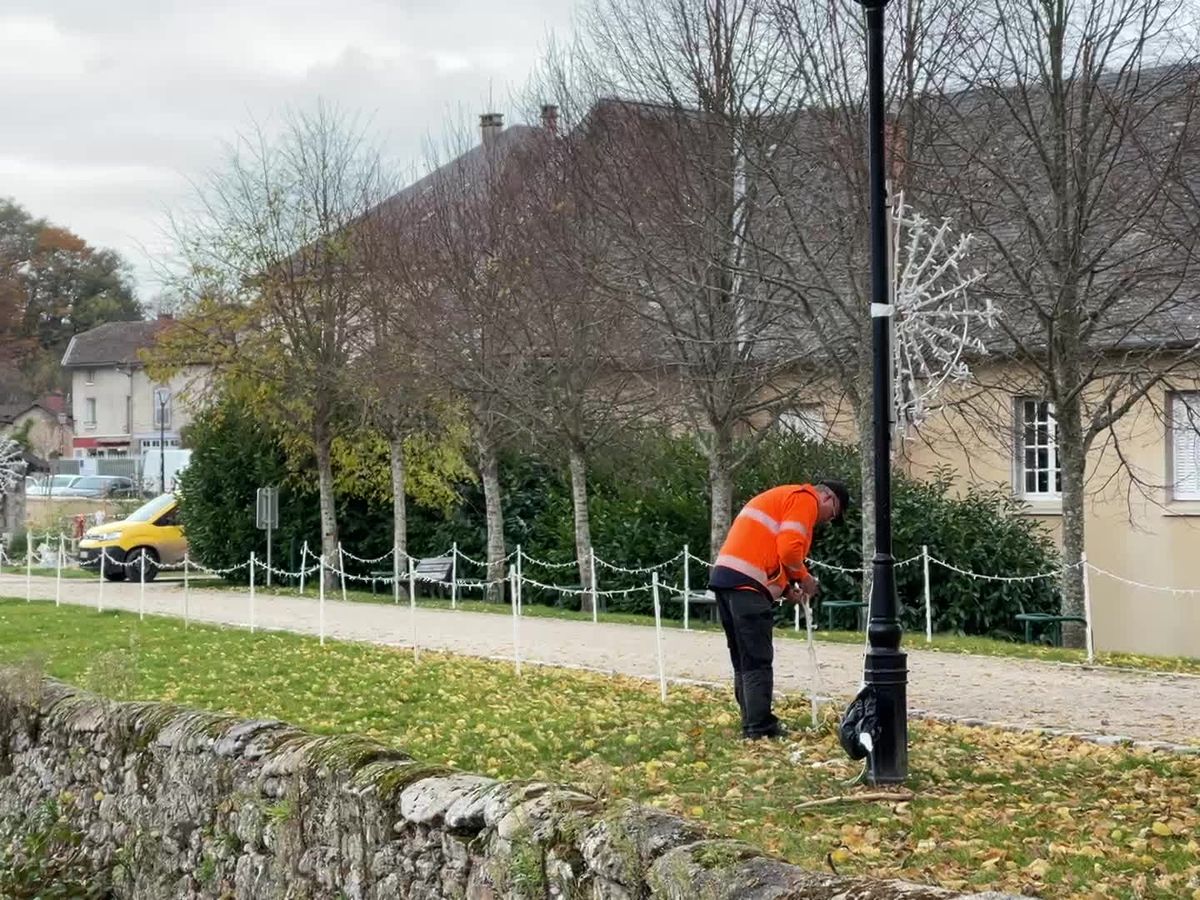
x,y
266,515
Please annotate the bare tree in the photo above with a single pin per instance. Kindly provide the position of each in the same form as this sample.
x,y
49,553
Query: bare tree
x,y
665,168
1071,151
274,258
460,228
576,382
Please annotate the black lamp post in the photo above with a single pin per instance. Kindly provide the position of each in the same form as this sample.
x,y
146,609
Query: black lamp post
x,y
886,668
163,398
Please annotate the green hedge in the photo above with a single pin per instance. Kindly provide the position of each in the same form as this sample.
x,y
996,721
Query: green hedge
x,y
648,499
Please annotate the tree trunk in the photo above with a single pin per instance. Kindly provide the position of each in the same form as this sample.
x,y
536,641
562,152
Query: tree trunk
x,y
329,528
399,505
489,471
720,485
583,528
1073,461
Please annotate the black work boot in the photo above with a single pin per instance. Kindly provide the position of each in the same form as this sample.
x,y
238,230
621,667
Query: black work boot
x,y
757,687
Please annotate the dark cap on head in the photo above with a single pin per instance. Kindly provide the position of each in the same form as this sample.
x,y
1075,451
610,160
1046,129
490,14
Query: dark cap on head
x,y
841,491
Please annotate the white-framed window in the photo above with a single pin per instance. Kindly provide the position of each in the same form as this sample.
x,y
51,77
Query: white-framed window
x,y
807,421
89,412
89,376
1038,474
1185,445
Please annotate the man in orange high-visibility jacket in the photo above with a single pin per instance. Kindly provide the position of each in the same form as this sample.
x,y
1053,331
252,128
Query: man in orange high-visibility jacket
x,y
760,563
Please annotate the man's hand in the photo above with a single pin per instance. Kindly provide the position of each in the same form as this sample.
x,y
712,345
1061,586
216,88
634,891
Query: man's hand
x,y
793,594
809,586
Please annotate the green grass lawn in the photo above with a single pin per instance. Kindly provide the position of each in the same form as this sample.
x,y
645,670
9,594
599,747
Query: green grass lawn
x,y
949,643
996,809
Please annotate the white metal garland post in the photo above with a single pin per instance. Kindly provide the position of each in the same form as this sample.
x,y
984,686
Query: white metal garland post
x,y
252,592
28,568
517,593
658,640
412,607
58,573
187,588
342,568
141,586
1087,607
687,588
928,603
100,593
454,576
321,598
303,565
396,573
516,619
595,594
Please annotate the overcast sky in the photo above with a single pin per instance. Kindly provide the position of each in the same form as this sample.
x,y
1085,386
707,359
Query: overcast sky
x,y
108,108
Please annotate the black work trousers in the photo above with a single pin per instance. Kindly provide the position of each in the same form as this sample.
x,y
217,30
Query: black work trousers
x,y
748,618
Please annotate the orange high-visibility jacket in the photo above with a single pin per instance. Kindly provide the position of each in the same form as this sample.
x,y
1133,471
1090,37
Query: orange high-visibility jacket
x,y
770,539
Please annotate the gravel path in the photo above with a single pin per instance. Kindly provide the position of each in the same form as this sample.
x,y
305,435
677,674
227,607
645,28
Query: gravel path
x,y
1017,692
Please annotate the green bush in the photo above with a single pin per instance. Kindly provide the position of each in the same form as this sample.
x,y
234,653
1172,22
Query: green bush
x,y
42,856
647,499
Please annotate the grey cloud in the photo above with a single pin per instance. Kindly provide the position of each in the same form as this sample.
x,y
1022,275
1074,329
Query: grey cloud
x,y
143,94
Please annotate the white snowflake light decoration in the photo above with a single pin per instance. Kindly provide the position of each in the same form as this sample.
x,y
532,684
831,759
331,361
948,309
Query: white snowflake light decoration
x,y
12,464
937,316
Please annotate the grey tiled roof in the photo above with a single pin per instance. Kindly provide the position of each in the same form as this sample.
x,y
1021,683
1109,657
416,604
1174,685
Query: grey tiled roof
x,y
112,344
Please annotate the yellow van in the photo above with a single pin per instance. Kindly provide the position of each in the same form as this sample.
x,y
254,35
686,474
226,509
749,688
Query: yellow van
x,y
151,536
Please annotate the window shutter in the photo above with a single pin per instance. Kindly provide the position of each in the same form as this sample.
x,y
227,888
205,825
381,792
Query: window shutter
x,y
1185,446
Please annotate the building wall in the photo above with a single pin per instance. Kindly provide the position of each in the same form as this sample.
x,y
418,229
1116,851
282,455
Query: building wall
x,y
1132,527
47,438
117,394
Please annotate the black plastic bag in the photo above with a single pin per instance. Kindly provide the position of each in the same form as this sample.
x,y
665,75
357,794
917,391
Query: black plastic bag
x,y
861,717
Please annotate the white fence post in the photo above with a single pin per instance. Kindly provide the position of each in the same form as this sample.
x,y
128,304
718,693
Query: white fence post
x,y
321,598
303,565
595,592
58,572
141,586
454,576
517,593
516,619
796,618
928,602
396,573
1087,608
187,588
28,567
252,592
687,588
342,567
100,593
658,641
412,607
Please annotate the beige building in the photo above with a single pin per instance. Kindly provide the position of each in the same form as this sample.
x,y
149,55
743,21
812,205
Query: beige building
x,y
1142,496
44,425
119,411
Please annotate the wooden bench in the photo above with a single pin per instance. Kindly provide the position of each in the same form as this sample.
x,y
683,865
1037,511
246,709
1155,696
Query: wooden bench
x,y
832,606
434,571
1049,621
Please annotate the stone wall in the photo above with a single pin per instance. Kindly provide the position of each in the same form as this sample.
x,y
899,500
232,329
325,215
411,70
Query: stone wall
x,y
169,802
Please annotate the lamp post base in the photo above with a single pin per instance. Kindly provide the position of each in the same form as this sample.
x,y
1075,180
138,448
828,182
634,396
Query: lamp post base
x,y
887,672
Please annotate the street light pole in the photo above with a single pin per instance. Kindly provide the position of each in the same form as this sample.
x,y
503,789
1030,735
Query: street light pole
x,y
162,442
886,668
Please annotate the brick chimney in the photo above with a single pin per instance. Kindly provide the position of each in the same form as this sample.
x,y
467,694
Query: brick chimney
x,y
550,117
490,125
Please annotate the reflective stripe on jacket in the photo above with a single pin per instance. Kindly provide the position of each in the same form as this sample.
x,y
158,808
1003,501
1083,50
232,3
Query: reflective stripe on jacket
x,y
769,540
